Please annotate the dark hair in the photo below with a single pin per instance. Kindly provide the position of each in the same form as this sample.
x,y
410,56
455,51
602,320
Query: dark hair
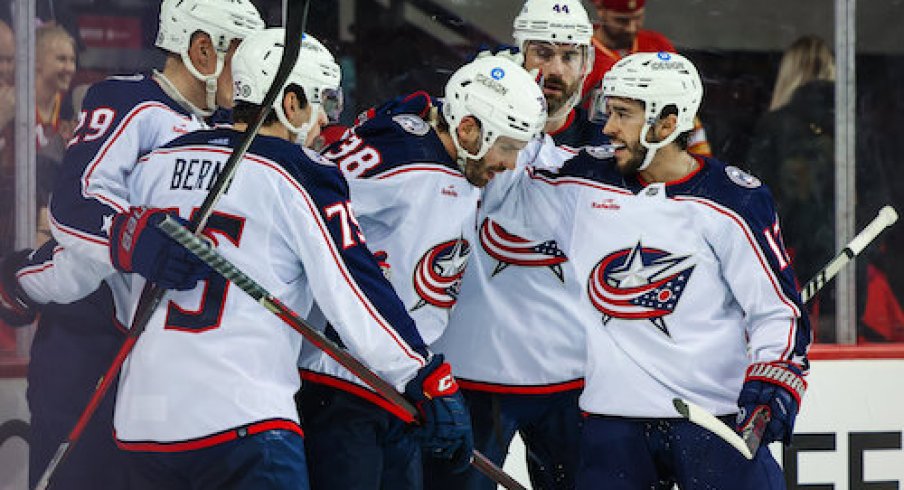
x,y
244,112
682,139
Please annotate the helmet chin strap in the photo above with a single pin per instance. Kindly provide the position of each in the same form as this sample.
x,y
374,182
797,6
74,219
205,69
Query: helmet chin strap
x,y
652,147
463,154
300,133
210,81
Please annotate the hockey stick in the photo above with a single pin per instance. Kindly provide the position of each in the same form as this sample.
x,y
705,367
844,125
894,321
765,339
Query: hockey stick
x,y
230,272
152,295
749,441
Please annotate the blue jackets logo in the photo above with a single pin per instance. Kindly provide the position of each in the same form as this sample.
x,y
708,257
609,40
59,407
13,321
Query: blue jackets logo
x,y
639,283
510,249
437,276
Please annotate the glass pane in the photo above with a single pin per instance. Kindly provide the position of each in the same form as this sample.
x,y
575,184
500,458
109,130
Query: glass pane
x,y
880,116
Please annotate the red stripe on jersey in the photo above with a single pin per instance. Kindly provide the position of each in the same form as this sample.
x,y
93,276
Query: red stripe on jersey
x,y
789,343
76,233
92,165
577,181
356,390
421,168
211,440
575,384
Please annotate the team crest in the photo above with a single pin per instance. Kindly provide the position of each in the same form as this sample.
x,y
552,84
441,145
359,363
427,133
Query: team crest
x,y
639,283
437,276
412,124
510,249
742,178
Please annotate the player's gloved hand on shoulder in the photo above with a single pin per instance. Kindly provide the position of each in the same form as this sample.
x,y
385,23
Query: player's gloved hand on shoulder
x,y
137,245
16,308
418,103
778,388
445,424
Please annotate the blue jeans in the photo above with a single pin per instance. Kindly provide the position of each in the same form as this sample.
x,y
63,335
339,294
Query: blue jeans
x,y
631,454
548,424
354,445
270,460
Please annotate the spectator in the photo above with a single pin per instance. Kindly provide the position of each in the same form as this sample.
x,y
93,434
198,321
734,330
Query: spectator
x,y
793,152
620,33
54,68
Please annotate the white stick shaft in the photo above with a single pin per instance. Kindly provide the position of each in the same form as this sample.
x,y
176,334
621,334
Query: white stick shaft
x,y
886,217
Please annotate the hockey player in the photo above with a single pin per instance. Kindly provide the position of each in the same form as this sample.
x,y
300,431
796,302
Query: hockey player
x,y
415,173
515,337
122,119
219,413
687,291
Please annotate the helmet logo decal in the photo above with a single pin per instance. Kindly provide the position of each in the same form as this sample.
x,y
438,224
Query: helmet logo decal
x,y
509,249
639,283
492,83
437,276
664,56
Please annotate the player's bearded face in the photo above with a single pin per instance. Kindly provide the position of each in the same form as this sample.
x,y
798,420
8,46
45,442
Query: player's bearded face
x,y
562,66
501,156
624,122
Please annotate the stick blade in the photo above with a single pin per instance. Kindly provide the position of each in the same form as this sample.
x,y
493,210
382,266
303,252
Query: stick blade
x,y
708,421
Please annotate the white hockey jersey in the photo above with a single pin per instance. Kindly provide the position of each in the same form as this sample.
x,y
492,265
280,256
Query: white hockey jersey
x,y
418,212
213,364
679,280
122,119
517,327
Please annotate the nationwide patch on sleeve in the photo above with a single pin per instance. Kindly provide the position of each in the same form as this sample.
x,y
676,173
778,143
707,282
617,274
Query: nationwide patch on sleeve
x,y
742,178
412,124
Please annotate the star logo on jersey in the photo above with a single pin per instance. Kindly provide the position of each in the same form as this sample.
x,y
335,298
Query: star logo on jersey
x,y
639,283
437,276
509,249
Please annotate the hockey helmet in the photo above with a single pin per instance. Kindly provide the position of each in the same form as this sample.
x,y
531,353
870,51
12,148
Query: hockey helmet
x,y
222,20
255,64
501,95
658,80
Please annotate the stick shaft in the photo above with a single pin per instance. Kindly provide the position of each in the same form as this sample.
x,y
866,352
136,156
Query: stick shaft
x,y
233,274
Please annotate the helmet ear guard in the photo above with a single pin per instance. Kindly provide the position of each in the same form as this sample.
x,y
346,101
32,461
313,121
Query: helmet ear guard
x,y
255,64
659,80
501,95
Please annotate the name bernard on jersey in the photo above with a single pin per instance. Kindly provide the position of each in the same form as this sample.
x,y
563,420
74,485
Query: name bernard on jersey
x,y
437,276
639,283
195,174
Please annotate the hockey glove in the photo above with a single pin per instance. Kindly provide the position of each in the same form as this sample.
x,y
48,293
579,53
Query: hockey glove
x,y
16,309
445,424
137,245
418,103
777,388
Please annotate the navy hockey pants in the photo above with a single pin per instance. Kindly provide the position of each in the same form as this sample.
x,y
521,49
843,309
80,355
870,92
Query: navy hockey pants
x,y
73,346
549,425
270,460
353,444
632,454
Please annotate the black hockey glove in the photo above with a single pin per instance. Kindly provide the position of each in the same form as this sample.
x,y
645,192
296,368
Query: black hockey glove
x,y
137,245
777,388
445,424
16,309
